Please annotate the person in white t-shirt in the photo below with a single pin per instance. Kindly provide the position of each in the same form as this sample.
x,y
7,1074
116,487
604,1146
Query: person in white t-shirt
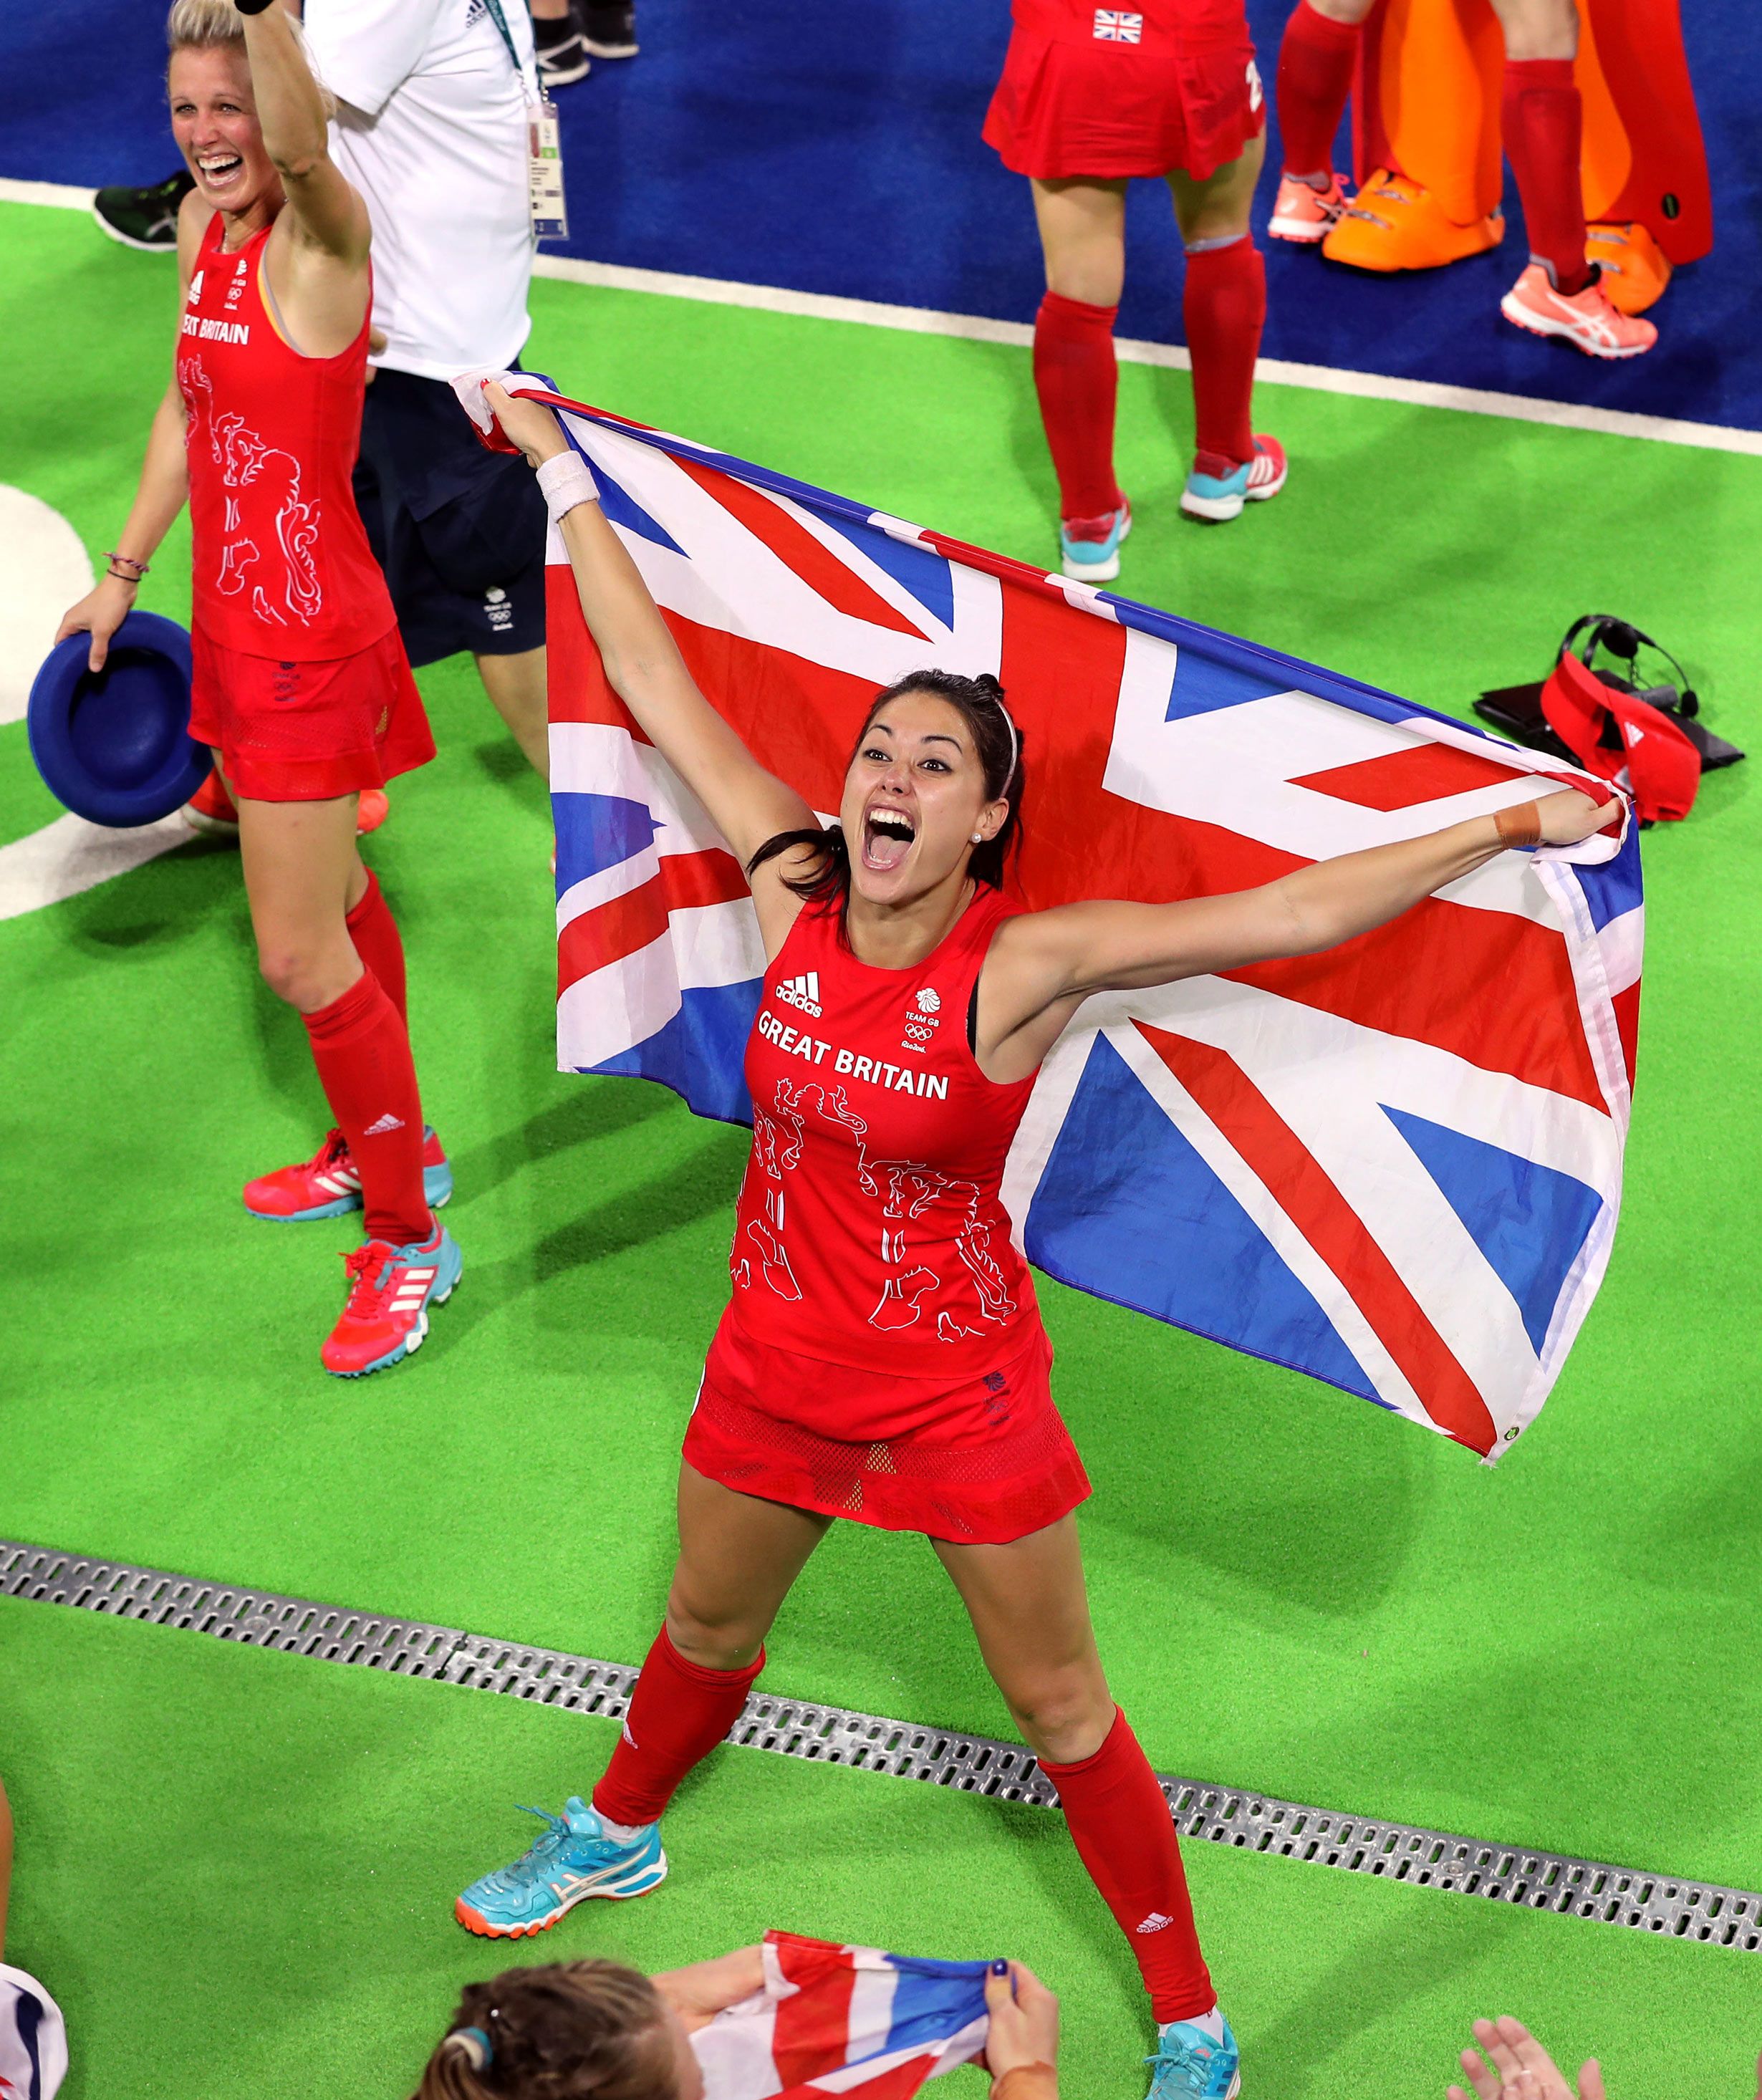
x,y
432,130
34,2040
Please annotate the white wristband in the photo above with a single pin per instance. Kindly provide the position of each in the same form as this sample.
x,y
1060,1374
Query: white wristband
x,y
566,482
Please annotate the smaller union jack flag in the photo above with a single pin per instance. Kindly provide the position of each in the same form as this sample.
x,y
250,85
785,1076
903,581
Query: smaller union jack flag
x,y
843,2020
1113,25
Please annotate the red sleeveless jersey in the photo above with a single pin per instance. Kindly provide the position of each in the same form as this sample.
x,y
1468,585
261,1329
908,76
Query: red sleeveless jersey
x,y
282,567
870,1230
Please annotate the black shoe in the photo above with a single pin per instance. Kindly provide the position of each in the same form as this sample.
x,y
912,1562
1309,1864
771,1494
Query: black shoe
x,y
561,60
611,29
144,218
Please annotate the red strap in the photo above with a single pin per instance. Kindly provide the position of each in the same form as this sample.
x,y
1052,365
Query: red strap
x,y
1663,766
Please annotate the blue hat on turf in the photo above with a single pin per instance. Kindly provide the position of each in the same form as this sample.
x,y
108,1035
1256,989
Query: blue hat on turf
x,y
114,745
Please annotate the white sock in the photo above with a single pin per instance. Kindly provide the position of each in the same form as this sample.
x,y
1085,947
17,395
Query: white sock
x,y
1211,2023
623,1833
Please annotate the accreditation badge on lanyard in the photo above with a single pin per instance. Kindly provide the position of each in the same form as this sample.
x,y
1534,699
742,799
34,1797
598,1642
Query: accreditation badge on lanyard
x,y
544,148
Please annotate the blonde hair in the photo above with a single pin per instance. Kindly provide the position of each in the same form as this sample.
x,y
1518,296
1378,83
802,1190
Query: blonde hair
x,y
215,25
561,2031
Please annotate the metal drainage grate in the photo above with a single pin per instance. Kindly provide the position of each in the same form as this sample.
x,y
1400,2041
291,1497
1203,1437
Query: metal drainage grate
x,y
902,1749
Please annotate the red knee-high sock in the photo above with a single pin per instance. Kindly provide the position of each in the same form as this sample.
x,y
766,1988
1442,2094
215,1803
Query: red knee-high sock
x,y
1315,62
374,932
1122,1831
362,1050
1076,378
1224,307
678,1713
1543,120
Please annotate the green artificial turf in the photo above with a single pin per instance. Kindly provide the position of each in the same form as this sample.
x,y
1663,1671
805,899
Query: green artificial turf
x,y
1293,1591
236,1870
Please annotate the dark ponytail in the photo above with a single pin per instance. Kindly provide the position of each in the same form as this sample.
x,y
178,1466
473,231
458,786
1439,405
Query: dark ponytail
x,y
980,703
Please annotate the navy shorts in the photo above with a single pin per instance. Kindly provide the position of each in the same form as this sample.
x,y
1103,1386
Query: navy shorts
x,y
459,530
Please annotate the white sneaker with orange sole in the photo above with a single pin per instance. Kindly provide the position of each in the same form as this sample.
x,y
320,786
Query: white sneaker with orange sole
x,y
1586,319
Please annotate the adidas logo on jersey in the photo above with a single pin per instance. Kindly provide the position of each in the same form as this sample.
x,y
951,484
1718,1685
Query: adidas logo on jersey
x,y
802,992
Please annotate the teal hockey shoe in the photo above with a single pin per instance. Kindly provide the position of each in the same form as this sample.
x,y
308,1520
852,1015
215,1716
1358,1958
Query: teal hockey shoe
x,y
570,1862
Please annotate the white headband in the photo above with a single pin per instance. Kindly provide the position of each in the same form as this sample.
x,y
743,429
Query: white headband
x,y
1015,742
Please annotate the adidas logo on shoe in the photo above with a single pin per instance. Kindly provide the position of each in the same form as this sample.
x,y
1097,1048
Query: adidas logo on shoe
x,y
802,992
1154,1923
386,1123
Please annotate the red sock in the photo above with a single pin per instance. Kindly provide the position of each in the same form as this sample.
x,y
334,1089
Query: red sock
x,y
362,1050
374,932
1543,120
1122,1831
1076,378
1315,64
679,1712
1224,308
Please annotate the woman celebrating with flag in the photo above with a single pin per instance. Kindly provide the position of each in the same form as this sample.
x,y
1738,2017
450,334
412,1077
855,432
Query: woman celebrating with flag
x,y
300,683
882,1358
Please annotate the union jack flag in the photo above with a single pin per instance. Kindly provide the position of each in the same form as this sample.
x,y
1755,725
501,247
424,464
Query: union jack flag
x,y
843,2020
1395,1167
1113,26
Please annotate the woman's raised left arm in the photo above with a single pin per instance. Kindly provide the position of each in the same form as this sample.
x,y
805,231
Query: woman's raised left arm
x,y
1044,964
296,128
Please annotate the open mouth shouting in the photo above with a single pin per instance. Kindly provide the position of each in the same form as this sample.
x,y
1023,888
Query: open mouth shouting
x,y
220,171
887,834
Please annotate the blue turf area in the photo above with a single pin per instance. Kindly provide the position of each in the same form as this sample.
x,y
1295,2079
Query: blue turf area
x,y
837,148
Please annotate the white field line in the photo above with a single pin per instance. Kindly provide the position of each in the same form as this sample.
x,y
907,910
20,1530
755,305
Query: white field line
x,y
980,328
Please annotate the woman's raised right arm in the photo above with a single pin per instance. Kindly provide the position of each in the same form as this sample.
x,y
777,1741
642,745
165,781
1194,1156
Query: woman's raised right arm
x,y
164,490
747,804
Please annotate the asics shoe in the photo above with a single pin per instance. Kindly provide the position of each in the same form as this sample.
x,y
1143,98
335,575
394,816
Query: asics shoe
x,y
570,1862
1396,223
1586,319
145,218
328,1185
1088,548
1216,488
211,810
1301,212
1190,2061
385,1318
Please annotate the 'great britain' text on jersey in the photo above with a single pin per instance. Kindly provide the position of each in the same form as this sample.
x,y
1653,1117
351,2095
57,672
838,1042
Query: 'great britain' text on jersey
x,y
876,1071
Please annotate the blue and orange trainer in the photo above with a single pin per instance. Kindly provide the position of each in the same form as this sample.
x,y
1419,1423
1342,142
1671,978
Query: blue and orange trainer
x,y
572,1859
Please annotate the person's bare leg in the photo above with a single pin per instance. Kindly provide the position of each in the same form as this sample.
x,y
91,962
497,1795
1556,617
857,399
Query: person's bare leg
x,y
1082,238
302,876
1217,209
515,685
1030,1614
1538,28
738,1556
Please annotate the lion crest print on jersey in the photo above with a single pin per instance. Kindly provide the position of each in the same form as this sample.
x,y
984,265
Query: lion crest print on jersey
x,y
870,1205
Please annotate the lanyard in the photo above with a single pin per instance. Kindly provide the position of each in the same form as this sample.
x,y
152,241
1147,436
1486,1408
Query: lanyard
x,y
500,21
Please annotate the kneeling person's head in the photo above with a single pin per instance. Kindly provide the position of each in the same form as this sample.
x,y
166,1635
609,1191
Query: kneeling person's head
x,y
565,2031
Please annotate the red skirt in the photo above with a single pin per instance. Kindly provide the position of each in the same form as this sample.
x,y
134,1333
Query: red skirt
x,y
977,1461
308,732
1065,107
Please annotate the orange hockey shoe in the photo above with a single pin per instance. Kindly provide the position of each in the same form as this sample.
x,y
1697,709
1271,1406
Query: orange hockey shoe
x,y
1304,214
1585,319
1394,223
1634,269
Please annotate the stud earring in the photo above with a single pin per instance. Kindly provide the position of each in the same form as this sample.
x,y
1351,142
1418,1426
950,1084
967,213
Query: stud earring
x,y
978,838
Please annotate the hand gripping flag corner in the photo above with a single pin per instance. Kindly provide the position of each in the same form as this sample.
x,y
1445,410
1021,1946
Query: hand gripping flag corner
x,y
1395,1167
843,2020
